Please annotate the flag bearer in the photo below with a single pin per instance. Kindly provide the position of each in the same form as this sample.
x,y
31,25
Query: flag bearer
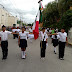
x,y
4,41
43,38
22,41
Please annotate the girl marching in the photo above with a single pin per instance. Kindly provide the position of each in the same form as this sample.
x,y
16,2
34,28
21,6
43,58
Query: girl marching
x,y
22,41
55,41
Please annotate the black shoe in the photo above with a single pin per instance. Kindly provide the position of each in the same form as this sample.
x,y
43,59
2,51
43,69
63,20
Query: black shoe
x,y
61,58
4,58
55,53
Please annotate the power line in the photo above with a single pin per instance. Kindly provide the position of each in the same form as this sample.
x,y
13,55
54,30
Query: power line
x,y
4,8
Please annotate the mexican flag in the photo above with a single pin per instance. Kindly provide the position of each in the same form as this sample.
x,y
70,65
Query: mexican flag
x,y
36,26
38,20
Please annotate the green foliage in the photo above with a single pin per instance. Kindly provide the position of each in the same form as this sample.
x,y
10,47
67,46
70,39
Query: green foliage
x,y
66,20
18,22
57,14
63,6
31,24
50,14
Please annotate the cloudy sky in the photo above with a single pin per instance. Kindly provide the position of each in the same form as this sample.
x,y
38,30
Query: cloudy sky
x,y
26,9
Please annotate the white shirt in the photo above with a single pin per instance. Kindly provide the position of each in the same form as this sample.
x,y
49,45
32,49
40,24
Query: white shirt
x,y
4,35
18,30
50,30
30,30
23,35
53,36
62,36
57,30
42,36
46,30
13,30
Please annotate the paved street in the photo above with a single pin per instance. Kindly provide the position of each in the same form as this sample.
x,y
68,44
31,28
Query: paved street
x,y
33,63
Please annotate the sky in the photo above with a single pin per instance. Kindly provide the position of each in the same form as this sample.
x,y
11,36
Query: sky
x,y
24,9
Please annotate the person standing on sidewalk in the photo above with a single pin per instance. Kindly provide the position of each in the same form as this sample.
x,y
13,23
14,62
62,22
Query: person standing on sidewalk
x,y
22,41
43,40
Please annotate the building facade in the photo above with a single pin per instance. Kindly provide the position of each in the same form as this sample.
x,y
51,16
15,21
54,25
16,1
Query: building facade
x,y
6,18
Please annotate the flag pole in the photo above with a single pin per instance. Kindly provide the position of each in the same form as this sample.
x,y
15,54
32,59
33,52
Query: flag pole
x,y
40,10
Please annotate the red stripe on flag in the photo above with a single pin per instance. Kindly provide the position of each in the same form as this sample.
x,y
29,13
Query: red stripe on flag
x,y
36,31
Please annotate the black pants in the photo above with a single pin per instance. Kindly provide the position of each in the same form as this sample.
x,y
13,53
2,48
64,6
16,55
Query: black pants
x,y
43,48
15,36
61,49
4,46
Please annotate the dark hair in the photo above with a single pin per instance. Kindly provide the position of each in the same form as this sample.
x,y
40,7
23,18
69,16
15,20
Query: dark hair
x,y
24,28
63,28
3,26
43,28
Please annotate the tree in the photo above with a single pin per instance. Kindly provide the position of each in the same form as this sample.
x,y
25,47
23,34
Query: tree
x,y
66,20
50,14
57,14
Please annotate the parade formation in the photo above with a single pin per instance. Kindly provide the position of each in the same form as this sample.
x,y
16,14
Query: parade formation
x,y
23,35
54,37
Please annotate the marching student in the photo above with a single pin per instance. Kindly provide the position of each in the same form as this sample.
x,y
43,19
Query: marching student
x,y
30,30
4,41
22,41
43,40
17,31
55,39
46,30
62,42
56,30
31,35
14,35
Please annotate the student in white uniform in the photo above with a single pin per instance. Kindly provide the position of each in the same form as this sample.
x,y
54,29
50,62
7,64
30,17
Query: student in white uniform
x,y
43,40
31,35
4,41
46,30
56,30
62,42
15,31
55,40
23,42
18,29
30,30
